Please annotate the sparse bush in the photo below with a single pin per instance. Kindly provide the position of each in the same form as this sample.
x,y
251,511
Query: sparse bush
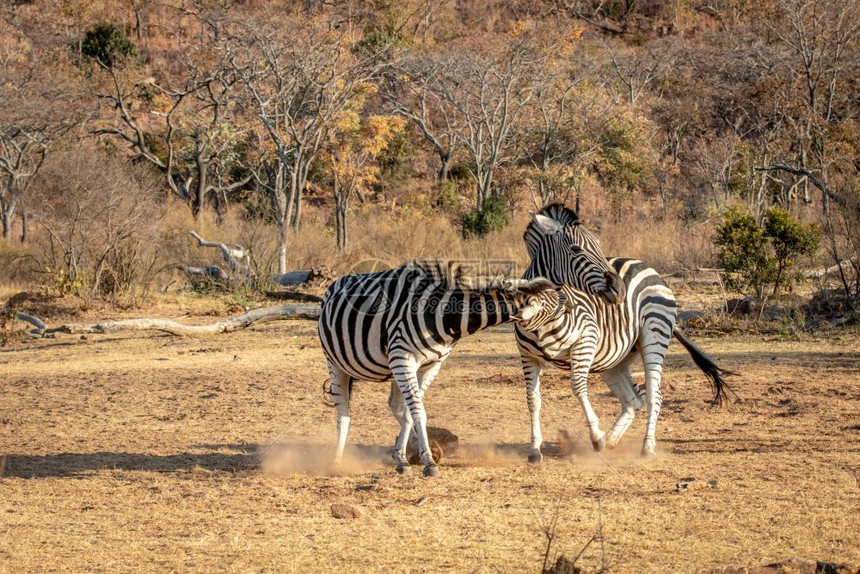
x,y
759,256
97,223
492,216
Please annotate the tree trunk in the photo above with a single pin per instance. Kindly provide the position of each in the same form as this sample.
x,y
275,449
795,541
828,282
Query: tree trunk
x,y
23,226
340,210
442,175
8,214
297,218
283,236
199,197
284,201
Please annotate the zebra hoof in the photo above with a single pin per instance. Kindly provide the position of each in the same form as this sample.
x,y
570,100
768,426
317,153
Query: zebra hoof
x,y
432,471
403,469
599,444
535,457
648,452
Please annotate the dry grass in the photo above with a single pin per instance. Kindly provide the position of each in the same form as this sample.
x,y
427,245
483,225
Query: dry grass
x,y
392,235
130,453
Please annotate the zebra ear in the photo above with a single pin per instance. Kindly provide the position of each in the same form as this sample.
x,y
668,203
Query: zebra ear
x,y
546,224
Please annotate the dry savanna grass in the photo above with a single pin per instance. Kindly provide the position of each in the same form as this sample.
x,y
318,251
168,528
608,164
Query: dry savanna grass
x,y
139,452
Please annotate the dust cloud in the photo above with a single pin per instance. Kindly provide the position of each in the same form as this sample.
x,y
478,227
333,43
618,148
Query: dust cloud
x,y
318,459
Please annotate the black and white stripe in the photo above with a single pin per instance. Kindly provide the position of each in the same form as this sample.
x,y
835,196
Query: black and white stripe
x,y
596,336
403,323
559,245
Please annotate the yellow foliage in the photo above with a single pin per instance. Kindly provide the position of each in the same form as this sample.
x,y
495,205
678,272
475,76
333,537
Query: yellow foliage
x,y
520,27
354,146
161,103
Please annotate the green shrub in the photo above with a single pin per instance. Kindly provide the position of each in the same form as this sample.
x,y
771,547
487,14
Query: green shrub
x,y
448,198
789,239
492,216
759,256
107,44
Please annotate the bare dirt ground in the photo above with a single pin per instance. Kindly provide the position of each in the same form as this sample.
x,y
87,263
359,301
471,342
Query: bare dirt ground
x,y
137,452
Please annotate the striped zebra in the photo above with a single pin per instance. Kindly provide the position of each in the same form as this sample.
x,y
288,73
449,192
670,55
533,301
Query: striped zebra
x,y
593,336
403,323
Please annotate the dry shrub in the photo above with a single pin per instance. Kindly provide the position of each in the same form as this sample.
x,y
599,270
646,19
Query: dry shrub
x,y
395,236
97,224
667,244
13,262
179,247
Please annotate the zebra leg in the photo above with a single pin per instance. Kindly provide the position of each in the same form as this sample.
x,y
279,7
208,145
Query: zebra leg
x,y
340,389
532,371
621,383
653,346
402,414
405,374
581,359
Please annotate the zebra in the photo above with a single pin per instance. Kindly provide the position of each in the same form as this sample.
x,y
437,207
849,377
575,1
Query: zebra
x,y
403,323
593,336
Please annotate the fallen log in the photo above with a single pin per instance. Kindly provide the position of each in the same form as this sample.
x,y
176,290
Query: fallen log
x,y
292,278
825,271
40,325
212,271
243,321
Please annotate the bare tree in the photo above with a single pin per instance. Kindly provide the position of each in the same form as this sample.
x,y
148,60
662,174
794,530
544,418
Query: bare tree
x,y
35,109
22,154
299,81
821,39
489,94
561,132
637,70
414,94
187,125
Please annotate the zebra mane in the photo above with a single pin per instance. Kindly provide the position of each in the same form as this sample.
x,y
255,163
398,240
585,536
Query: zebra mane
x,y
452,275
558,212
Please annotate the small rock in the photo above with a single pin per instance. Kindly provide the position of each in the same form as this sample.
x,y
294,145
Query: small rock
x,y
749,305
344,511
435,450
691,483
563,565
693,318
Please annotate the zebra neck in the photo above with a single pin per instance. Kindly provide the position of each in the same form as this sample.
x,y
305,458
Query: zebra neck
x,y
469,312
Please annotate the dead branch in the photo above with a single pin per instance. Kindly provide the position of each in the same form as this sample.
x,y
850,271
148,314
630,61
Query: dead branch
x,y
825,271
803,172
228,325
231,255
40,325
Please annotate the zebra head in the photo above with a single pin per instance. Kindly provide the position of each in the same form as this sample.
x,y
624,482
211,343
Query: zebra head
x,y
536,302
565,252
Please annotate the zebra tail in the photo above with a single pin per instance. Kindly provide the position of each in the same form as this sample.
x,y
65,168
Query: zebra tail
x,y
714,373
